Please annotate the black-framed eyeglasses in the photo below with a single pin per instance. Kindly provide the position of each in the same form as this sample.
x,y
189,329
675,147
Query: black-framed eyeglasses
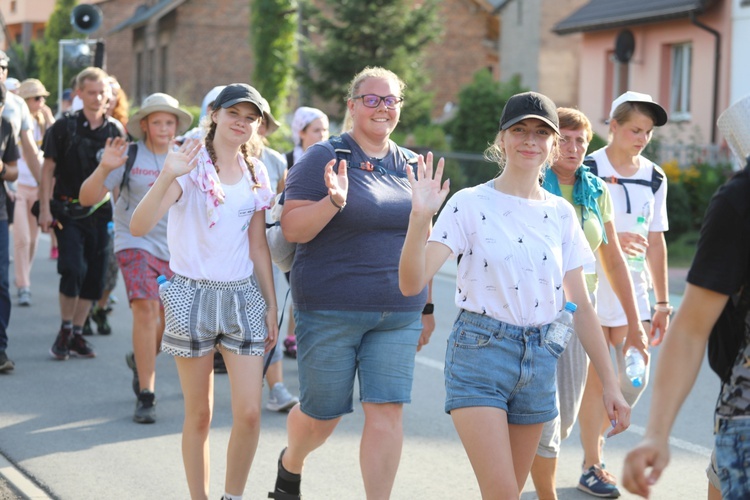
x,y
373,101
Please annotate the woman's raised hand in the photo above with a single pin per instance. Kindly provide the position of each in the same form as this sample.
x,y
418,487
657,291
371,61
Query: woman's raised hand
x,y
182,158
114,155
337,182
427,193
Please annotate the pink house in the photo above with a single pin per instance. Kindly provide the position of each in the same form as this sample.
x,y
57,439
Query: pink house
x,y
676,50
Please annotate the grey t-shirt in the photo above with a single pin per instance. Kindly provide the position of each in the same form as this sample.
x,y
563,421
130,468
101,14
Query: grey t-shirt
x,y
352,264
142,176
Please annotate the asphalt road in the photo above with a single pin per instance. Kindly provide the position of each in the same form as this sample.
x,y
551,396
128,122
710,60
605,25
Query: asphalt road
x,y
66,428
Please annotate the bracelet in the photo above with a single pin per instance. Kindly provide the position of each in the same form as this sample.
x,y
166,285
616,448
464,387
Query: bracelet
x,y
340,207
268,308
660,303
663,309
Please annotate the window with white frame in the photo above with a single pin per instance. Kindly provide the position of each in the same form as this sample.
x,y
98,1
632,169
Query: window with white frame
x,y
679,86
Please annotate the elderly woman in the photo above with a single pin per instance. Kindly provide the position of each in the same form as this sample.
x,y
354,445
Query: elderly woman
x,y
593,204
349,215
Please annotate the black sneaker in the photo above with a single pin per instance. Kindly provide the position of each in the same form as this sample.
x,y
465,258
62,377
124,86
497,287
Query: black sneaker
x,y
145,408
287,483
80,347
60,349
219,365
99,316
130,360
6,365
87,330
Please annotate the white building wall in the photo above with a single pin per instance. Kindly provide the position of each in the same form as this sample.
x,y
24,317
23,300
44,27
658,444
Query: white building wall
x,y
520,40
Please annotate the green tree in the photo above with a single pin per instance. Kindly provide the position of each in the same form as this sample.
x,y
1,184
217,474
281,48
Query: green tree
x,y
351,35
58,28
28,62
273,25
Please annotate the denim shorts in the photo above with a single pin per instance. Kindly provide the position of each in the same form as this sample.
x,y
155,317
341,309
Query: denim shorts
x,y
334,346
733,457
491,363
201,314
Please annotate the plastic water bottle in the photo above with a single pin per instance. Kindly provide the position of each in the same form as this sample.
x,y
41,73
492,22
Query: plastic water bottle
x,y
163,283
560,331
635,262
635,366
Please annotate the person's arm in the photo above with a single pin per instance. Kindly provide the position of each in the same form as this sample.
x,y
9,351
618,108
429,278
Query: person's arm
x,y
45,193
9,170
93,189
679,363
656,255
618,275
419,261
302,220
261,258
166,190
590,333
31,154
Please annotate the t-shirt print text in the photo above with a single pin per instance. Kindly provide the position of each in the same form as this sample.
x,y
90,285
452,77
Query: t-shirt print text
x,y
246,212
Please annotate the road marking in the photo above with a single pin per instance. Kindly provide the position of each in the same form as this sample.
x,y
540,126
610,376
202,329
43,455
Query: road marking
x,y
635,429
20,482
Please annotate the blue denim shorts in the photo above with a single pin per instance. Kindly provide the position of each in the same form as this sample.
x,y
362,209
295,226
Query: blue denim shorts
x,y
733,457
334,346
491,363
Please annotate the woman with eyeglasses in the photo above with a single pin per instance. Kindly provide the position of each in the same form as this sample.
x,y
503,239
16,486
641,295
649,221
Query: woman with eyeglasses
x,y
25,227
348,211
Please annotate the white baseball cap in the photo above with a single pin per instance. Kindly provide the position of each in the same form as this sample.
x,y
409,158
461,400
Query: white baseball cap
x,y
631,96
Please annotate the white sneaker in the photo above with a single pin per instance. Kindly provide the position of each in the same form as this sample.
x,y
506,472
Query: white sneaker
x,y
24,297
280,398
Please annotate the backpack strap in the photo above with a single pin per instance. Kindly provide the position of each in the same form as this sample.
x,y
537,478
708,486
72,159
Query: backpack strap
x,y
132,152
344,152
657,177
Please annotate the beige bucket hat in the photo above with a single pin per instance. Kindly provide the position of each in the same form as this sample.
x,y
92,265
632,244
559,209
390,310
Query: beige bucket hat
x,y
734,124
31,87
159,102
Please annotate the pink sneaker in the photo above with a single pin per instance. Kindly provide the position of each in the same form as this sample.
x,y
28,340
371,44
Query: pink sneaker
x,y
53,253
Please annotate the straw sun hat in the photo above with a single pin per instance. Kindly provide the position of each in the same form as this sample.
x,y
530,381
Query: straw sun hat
x,y
32,87
159,102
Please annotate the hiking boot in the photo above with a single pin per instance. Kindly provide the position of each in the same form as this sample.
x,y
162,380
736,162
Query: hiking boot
x,y
280,398
80,347
290,347
219,365
24,297
6,365
99,316
60,349
598,483
145,408
87,331
130,360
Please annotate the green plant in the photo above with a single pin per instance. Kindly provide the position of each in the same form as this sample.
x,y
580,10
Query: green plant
x,y
681,250
597,142
58,28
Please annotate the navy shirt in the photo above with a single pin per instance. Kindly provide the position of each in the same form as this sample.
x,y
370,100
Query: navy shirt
x,y
352,264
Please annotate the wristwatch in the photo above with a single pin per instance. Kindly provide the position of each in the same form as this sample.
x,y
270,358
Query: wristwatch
x,y
429,308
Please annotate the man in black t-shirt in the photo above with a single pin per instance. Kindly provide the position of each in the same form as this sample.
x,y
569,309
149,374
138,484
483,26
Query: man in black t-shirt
x,y
8,172
72,150
720,271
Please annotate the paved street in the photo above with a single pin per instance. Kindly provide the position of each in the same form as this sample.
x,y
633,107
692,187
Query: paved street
x,y
67,425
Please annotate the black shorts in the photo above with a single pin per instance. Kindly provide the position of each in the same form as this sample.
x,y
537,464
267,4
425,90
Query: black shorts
x,y
82,261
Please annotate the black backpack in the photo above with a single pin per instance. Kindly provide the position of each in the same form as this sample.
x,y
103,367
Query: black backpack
x,y
657,177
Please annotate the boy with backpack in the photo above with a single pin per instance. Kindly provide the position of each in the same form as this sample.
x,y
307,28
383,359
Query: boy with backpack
x,y
714,310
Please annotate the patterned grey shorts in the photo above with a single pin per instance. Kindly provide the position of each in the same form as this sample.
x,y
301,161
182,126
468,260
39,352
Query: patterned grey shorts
x,y
201,314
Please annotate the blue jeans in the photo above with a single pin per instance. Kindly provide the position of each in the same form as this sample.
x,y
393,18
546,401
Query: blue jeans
x,y
4,285
733,457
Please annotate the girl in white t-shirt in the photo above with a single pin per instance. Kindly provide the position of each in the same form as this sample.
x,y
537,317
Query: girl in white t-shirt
x,y
520,248
633,117
222,294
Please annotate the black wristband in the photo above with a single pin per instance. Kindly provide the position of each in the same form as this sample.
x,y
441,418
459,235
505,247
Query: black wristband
x,y
429,308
